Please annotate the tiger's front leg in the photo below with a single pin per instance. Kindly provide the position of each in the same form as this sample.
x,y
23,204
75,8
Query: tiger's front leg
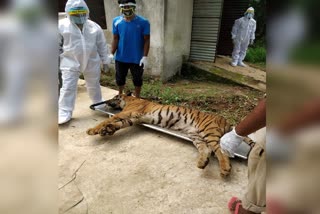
x,y
113,124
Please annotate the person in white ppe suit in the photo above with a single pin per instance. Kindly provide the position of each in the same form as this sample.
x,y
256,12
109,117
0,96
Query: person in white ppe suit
x,y
243,34
83,47
28,50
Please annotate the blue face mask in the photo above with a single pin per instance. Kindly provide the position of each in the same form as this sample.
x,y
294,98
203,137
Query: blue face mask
x,y
249,15
80,20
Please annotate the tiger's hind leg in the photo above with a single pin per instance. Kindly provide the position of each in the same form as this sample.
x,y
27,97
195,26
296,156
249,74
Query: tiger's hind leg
x,y
204,153
224,161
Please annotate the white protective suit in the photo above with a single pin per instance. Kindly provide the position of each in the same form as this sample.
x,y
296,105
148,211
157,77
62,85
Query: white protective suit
x,y
243,31
28,56
81,52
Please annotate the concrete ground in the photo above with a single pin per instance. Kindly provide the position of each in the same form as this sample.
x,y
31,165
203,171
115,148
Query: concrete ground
x,y
250,71
250,76
137,170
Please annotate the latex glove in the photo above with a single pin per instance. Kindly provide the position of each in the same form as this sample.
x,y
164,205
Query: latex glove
x,y
106,69
110,58
230,142
251,41
144,61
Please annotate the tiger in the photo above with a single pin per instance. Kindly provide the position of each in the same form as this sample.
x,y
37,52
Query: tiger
x,y
204,129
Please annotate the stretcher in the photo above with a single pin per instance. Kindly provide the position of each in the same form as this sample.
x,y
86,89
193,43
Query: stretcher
x,y
242,151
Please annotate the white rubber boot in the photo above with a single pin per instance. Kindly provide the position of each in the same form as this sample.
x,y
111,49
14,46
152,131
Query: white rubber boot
x,y
64,116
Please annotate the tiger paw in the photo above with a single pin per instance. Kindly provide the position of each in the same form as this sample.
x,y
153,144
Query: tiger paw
x,y
202,162
225,172
92,131
102,132
107,130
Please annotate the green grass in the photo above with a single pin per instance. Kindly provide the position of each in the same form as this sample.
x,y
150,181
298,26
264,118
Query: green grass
x,y
256,55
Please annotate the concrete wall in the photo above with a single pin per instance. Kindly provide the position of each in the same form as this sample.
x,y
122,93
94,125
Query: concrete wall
x,y
171,24
177,35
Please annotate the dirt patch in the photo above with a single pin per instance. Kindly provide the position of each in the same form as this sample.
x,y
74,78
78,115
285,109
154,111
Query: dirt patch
x,y
231,102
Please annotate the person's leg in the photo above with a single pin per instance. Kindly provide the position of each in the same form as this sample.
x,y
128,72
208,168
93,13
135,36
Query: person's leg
x,y
254,199
121,74
235,53
137,72
137,91
242,52
92,79
67,96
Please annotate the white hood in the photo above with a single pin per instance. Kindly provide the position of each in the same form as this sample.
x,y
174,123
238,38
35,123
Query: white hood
x,y
76,3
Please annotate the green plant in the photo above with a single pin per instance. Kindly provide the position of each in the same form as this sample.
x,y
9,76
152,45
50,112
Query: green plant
x,y
151,89
256,55
170,96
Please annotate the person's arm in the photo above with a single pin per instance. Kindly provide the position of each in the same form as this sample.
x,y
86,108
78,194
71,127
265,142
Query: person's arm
x,y
114,44
235,28
253,33
253,121
146,45
102,47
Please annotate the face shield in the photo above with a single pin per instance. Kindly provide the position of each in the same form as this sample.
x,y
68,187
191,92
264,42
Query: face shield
x,y
78,15
127,9
249,13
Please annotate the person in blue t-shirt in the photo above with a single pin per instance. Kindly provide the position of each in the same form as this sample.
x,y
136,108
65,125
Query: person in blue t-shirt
x,y
131,42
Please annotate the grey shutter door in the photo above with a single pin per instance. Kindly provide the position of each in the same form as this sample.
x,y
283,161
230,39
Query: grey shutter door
x,y
205,29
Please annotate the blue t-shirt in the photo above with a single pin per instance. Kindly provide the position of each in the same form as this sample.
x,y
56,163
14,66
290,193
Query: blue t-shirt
x,y
131,38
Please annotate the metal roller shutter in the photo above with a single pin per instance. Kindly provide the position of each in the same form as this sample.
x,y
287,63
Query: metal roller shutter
x,y
205,29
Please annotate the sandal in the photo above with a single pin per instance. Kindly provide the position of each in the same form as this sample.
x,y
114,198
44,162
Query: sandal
x,y
240,210
232,203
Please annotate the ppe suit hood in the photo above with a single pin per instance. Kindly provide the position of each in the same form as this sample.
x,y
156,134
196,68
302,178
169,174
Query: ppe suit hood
x,y
249,10
76,3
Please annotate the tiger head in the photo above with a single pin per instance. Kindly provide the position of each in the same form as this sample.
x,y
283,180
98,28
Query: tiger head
x,y
120,101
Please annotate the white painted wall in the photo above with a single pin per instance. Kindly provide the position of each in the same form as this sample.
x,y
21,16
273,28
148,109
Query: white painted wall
x,y
177,35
